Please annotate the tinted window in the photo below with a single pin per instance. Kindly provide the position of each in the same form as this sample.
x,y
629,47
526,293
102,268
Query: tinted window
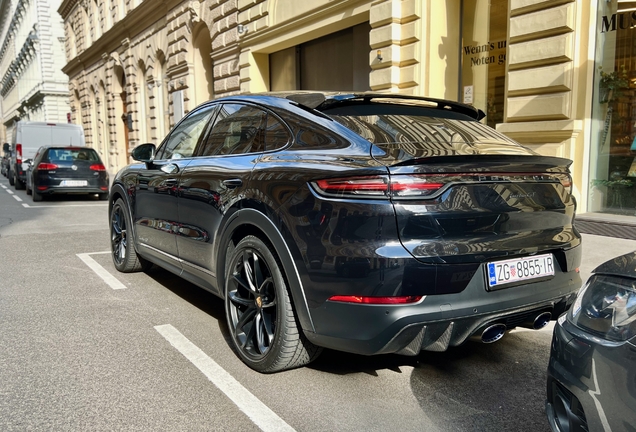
x,y
238,129
71,155
276,135
423,132
183,139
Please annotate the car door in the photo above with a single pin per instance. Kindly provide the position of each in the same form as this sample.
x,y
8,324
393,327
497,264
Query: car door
x,y
155,205
215,181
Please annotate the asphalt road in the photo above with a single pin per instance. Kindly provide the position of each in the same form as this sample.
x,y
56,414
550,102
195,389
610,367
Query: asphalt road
x,y
80,351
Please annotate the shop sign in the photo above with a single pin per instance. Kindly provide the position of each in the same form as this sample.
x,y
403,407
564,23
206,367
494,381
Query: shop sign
x,y
624,21
487,53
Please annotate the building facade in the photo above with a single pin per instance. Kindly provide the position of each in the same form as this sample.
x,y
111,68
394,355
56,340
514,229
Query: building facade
x,y
137,66
32,84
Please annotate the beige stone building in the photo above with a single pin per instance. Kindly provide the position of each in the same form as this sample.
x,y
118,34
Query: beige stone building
x,y
137,66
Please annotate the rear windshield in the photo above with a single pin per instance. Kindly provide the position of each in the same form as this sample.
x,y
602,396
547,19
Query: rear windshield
x,y
404,124
72,155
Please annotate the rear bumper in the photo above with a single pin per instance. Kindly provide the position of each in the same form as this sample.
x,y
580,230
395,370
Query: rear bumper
x,y
58,190
438,321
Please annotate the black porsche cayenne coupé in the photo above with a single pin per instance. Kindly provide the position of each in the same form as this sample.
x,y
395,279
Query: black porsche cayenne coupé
x,y
368,223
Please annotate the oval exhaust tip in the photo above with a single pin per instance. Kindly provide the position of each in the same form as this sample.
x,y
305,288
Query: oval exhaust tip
x,y
541,320
493,333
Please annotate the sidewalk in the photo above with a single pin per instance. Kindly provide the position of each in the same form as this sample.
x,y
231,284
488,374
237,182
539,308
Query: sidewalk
x,y
598,249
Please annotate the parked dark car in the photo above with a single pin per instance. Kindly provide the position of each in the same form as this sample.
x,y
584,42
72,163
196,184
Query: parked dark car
x,y
6,160
260,197
592,369
66,170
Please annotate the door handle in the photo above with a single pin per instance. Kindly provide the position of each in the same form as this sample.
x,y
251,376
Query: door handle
x,y
170,168
233,183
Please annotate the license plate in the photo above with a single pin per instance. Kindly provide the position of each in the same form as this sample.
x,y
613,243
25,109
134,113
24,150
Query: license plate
x,y
73,183
520,269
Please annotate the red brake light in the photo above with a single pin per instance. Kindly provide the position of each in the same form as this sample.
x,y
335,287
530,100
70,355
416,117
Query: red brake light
x,y
381,186
98,167
421,186
44,166
375,300
18,153
356,186
566,181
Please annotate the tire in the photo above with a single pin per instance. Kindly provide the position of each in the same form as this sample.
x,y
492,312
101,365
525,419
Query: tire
x,y
28,190
10,176
19,184
37,197
264,330
122,246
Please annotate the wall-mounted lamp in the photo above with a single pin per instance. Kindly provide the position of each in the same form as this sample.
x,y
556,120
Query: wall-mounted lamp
x,y
379,57
241,29
127,118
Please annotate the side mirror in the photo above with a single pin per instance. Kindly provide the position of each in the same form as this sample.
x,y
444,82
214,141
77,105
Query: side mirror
x,y
6,147
144,153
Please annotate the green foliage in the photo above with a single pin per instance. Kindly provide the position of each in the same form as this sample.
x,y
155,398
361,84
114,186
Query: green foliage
x,y
613,183
616,80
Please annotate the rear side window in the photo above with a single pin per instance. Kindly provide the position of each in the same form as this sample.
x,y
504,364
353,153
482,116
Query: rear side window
x,y
244,129
60,155
238,129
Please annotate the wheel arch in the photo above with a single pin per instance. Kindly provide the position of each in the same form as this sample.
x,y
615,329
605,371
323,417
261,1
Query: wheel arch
x,y
249,221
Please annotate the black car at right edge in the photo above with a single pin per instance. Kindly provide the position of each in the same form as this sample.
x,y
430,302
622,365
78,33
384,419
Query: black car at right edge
x,y
592,369
363,222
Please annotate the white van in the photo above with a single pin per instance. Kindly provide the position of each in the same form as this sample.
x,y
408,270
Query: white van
x,y
29,136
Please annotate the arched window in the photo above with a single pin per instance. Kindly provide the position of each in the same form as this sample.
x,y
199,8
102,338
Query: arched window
x,y
162,98
203,89
97,24
143,118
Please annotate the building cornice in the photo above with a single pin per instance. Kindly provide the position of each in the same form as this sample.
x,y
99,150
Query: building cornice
x,y
66,7
134,23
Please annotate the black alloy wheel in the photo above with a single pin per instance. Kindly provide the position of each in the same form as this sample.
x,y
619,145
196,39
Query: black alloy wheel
x,y
123,251
259,312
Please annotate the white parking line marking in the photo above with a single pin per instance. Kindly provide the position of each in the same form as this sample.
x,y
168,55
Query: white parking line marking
x,y
3,186
101,271
17,198
257,411
64,206
10,191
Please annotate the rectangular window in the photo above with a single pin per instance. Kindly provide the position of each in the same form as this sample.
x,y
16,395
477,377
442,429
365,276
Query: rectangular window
x,y
613,137
337,61
483,56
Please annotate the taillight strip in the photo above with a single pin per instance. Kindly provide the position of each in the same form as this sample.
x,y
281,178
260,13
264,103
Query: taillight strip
x,y
414,186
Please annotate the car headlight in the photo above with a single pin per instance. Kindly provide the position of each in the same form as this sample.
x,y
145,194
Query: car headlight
x,y
606,307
